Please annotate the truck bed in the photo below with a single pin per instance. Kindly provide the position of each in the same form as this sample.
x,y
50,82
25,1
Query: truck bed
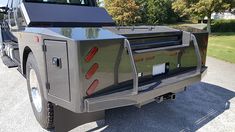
x,y
150,47
127,62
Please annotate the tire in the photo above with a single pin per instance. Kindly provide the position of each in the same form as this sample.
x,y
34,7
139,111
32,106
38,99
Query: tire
x,y
43,110
2,52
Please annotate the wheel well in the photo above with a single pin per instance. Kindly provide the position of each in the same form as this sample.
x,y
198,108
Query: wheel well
x,y
26,52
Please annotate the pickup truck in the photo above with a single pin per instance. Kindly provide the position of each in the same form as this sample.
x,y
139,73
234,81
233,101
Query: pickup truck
x,y
74,56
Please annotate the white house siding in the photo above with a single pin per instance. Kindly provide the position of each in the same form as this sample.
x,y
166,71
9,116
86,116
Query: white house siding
x,y
225,15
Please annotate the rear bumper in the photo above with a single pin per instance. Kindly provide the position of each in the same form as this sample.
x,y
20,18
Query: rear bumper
x,y
126,98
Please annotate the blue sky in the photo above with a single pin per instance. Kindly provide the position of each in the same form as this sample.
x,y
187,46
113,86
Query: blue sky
x,y
3,2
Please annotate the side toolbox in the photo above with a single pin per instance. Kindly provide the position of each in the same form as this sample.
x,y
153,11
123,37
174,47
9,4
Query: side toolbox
x,y
57,69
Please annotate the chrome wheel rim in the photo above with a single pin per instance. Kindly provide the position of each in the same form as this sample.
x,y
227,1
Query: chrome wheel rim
x,y
35,91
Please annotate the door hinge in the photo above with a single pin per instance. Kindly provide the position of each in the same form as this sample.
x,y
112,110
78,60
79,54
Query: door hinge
x,y
48,86
44,48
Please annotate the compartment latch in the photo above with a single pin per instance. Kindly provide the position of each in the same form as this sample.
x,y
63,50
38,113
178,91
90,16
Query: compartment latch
x,y
57,62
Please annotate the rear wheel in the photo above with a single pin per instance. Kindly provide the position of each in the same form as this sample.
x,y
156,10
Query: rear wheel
x,y
43,110
2,52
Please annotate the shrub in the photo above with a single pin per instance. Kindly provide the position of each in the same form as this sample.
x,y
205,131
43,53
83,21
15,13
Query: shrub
x,y
1,16
223,26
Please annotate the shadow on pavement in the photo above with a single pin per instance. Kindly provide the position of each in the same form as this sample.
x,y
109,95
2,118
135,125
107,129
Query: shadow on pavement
x,y
191,110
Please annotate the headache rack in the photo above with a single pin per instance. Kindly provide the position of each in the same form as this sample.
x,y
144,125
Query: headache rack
x,y
135,73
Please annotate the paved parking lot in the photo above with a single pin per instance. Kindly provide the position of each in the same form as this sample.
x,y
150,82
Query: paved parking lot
x,y
206,106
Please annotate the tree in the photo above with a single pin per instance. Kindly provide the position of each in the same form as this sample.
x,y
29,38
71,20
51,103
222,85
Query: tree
x,y
124,12
232,5
157,12
200,8
143,6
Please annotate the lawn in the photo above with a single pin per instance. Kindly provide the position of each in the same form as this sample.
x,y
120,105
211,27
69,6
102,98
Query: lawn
x,y
222,46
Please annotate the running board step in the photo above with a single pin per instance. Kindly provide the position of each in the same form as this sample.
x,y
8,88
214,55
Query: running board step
x,y
8,62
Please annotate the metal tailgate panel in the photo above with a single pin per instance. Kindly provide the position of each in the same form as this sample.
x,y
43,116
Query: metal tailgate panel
x,y
58,76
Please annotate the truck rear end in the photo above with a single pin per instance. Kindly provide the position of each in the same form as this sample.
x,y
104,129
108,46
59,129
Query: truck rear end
x,y
151,62
67,63
104,68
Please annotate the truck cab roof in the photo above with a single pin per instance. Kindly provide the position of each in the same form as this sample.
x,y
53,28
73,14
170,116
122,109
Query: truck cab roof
x,y
60,13
66,2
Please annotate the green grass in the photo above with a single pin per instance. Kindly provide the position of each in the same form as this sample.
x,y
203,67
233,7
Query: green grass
x,y
222,46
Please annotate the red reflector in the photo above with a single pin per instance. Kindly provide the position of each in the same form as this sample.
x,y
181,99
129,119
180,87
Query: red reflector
x,y
91,54
92,88
92,71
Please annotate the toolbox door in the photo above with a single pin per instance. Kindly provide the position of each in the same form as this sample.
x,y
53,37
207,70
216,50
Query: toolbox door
x,y
57,69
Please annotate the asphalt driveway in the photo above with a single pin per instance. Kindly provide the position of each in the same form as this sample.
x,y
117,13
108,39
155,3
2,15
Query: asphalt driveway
x,y
206,106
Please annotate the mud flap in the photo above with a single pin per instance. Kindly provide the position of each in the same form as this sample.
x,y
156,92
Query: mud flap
x,y
66,120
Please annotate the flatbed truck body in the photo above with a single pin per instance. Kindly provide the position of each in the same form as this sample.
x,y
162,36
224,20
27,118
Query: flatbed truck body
x,y
84,63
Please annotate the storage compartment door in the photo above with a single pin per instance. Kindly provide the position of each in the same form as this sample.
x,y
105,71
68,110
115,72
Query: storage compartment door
x,y
57,69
